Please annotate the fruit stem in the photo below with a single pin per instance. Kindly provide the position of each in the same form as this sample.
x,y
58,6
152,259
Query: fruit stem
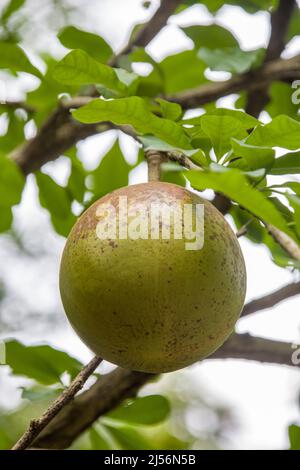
x,y
154,160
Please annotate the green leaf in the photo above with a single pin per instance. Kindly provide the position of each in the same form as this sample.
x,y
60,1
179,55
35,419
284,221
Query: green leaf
x,y
294,29
6,218
182,71
173,174
41,363
56,199
11,182
78,68
76,182
169,110
147,410
235,185
94,45
112,173
281,101
295,203
287,164
232,60
255,157
135,112
128,438
211,36
220,129
12,57
293,185
294,435
100,438
283,132
246,121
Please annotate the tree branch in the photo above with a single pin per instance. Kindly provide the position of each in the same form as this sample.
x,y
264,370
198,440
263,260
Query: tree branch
x,y
113,388
281,69
280,20
36,426
272,299
145,35
287,243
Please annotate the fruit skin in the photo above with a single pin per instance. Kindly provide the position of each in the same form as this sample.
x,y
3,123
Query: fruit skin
x,y
151,305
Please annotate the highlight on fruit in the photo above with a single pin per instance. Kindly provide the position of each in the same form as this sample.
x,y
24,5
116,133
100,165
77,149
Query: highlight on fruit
x,y
147,303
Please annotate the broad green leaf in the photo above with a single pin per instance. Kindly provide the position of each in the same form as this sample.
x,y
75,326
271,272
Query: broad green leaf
x,y
135,112
281,101
151,142
112,173
78,68
287,164
6,218
235,186
211,36
56,199
182,71
255,157
11,182
74,38
283,132
246,121
13,58
147,410
220,129
169,110
41,363
294,435
232,60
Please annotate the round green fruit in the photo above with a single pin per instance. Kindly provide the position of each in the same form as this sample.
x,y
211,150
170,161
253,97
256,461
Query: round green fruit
x,y
152,304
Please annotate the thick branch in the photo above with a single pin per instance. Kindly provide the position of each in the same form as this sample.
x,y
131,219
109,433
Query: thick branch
x,y
281,69
36,426
268,301
113,388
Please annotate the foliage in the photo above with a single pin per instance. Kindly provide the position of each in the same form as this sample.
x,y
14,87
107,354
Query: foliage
x,y
236,154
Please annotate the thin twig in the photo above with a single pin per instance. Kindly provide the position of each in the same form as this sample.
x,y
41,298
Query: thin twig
x,y
37,425
286,242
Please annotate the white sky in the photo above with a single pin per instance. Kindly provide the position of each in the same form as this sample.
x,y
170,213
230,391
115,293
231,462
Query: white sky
x,y
263,397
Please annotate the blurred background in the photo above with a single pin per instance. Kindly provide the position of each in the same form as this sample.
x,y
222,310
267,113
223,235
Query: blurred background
x,y
224,404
